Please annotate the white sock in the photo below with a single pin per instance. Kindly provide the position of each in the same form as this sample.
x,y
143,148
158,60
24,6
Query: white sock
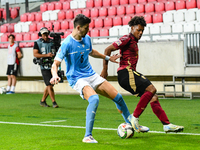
x,y
8,88
12,88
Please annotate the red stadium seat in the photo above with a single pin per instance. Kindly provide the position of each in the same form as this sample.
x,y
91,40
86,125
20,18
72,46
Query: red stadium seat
x,y
112,11
89,3
133,1
98,3
98,23
66,5
4,38
1,12
126,19
106,3
142,1
76,12
14,13
48,25
115,2
24,17
33,26
108,22
130,9
71,24
121,10
66,33
191,4
61,15
139,8
40,25
104,32
11,28
69,14
57,25
150,1
5,45
94,12
124,2
64,25
91,25
4,13
198,4
31,17
4,28
159,7
86,12
169,5
58,6
34,36
27,37
148,18
157,17
38,16
180,5
44,7
19,37
149,8
94,33
103,11
51,6
117,21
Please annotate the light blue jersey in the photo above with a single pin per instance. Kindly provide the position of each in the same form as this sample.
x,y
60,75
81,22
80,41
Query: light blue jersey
x,y
76,53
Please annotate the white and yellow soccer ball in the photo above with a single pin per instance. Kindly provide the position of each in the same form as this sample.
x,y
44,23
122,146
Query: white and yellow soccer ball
x,y
125,130
3,90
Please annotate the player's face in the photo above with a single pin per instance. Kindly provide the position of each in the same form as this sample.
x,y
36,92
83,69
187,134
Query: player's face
x,y
137,31
11,39
83,30
45,36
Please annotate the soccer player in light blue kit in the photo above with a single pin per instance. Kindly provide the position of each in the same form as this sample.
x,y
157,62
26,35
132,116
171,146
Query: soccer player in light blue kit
x,y
75,50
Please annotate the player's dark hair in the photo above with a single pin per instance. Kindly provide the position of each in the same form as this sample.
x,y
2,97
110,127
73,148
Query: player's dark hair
x,y
12,36
137,20
81,20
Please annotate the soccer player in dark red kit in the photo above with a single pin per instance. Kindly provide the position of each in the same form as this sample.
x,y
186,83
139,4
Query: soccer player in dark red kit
x,y
133,81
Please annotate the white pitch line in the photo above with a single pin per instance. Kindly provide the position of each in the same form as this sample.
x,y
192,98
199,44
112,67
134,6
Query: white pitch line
x,y
80,127
54,121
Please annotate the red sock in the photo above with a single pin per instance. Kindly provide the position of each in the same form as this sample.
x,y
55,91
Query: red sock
x,y
144,100
159,112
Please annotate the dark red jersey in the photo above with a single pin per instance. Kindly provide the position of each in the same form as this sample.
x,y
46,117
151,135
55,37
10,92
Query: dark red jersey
x,y
129,51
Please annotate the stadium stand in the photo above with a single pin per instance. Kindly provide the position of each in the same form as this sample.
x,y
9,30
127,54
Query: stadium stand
x,y
181,15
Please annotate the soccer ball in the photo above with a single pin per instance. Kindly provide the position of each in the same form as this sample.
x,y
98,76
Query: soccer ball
x,y
3,90
125,130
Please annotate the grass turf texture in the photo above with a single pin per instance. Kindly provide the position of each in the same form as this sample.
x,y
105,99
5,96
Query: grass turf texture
x,y
25,108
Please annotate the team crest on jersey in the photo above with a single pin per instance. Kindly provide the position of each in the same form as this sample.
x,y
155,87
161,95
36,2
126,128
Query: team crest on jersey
x,y
83,45
118,42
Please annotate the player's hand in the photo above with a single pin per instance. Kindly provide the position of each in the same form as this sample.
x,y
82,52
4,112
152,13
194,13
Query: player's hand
x,y
50,55
104,73
55,80
115,57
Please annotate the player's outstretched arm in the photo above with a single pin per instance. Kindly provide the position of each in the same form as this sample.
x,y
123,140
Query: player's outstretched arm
x,y
54,69
96,54
107,52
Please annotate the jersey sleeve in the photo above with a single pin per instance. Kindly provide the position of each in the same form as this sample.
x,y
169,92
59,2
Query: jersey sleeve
x,y
61,52
17,49
121,42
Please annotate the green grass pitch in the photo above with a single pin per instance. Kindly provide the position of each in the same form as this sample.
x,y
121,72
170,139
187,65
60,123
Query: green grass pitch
x,y
25,125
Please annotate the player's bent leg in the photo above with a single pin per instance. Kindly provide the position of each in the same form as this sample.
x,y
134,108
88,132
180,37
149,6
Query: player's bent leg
x,y
107,90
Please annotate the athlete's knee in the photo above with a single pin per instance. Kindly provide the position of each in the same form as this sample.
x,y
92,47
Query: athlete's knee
x,y
151,89
94,99
154,98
